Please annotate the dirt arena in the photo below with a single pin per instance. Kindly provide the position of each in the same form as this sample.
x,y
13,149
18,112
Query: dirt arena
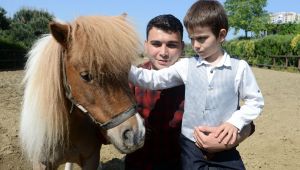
x,y
274,145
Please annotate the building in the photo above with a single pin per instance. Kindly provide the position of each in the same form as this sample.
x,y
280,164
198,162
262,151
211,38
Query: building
x,y
284,17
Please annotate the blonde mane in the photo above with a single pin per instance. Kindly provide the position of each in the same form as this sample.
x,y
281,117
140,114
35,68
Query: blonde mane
x,y
107,44
44,103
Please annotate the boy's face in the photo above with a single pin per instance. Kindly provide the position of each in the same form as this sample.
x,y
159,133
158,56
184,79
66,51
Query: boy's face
x,y
206,44
163,48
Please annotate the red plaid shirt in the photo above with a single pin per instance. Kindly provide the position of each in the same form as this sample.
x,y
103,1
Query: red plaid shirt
x,y
162,111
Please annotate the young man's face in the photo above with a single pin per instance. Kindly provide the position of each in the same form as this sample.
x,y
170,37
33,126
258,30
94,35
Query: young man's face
x,y
163,48
205,43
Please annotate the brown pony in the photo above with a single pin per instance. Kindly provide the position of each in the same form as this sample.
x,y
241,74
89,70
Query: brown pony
x,y
76,90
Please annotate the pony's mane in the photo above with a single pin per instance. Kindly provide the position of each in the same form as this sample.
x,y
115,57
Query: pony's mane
x,y
44,119
108,44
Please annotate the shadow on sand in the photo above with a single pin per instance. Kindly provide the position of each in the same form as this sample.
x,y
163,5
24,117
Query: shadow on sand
x,y
114,164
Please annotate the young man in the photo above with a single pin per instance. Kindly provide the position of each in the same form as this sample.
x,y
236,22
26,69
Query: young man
x,y
162,110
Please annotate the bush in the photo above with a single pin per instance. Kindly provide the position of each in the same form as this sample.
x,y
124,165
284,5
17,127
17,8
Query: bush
x,y
260,51
6,44
295,45
243,49
12,55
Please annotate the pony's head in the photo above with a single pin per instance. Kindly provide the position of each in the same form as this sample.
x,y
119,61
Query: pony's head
x,y
97,55
83,63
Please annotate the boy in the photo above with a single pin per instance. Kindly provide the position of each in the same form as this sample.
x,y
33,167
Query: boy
x,y
214,83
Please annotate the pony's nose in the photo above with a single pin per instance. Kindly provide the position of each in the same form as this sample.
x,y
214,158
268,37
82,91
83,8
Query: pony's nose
x,y
128,137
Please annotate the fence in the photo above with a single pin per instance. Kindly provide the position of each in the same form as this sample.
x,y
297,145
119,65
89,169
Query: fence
x,y
286,63
278,59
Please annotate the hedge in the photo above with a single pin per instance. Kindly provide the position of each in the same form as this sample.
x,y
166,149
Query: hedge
x,y
260,51
12,55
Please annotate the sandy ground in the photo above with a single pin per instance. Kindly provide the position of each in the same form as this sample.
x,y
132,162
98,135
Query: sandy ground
x,y
274,145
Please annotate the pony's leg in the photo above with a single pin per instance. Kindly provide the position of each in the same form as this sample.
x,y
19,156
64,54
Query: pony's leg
x,y
38,166
69,166
100,166
41,166
92,162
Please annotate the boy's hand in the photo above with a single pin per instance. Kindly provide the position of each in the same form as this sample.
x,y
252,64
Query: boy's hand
x,y
206,140
226,133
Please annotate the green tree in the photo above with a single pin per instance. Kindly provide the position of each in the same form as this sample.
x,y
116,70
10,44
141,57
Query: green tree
x,y
283,29
4,21
29,24
4,26
188,50
247,15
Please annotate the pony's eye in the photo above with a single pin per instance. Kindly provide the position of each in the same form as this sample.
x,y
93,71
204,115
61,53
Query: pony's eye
x,y
86,76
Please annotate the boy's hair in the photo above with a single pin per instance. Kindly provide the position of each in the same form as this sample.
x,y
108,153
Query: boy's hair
x,y
208,13
166,22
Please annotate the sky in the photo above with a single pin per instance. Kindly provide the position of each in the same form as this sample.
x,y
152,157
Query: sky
x,y
139,11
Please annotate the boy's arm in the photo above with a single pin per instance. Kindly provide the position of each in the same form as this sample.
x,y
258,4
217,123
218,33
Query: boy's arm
x,y
247,131
251,95
205,139
156,79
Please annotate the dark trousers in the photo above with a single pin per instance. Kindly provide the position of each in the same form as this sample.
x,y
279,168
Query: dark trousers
x,y
193,158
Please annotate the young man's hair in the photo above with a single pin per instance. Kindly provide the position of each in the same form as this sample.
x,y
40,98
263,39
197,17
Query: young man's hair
x,y
208,13
166,22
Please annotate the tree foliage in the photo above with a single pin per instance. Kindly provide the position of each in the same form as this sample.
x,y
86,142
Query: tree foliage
x,y
4,25
283,29
247,15
188,50
28,24
4,21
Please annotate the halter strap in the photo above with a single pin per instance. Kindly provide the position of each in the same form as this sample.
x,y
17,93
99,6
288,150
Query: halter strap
x,y
115,121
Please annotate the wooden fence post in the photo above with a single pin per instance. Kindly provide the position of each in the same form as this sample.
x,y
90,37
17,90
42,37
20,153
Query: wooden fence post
x,y
286,61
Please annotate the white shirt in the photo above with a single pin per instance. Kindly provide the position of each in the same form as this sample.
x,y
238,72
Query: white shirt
x,y
176,75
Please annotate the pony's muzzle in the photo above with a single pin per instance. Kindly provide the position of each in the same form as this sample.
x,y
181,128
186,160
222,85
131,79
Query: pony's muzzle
x,y
128,136
131,139
134,137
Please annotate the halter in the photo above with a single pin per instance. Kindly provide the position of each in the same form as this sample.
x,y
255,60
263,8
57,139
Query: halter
x,y
115,121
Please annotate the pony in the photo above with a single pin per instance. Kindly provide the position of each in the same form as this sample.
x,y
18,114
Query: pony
x,y
77,95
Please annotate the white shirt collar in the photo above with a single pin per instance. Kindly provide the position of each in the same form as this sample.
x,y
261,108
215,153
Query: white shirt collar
x,y
225,61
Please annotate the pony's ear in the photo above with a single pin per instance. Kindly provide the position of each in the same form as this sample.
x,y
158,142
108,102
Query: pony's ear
x,y
123,16
60,32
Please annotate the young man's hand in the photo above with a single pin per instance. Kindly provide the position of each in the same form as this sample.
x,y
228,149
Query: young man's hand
x,y
226,133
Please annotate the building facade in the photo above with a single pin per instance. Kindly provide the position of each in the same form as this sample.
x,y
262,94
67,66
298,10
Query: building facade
x,y
284,17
